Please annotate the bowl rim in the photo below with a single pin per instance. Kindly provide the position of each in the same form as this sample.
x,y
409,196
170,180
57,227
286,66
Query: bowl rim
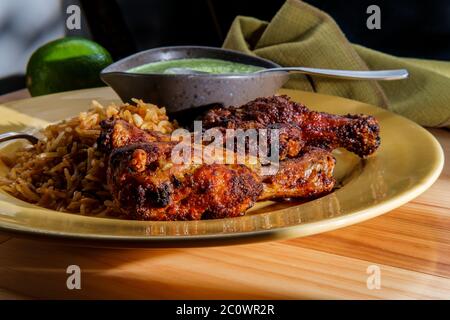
x,y
112,69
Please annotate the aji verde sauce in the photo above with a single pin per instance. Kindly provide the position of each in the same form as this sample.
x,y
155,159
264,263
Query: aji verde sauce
x,y
216,66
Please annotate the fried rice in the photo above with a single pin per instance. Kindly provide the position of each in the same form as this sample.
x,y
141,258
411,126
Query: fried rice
x,y
65,171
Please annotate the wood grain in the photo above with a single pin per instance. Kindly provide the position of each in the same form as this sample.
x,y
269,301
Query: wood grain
x,y
10,295
413,237
248,271
4,237
410,245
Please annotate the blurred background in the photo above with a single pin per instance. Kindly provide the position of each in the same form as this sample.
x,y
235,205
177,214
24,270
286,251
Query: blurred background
x,y
410,28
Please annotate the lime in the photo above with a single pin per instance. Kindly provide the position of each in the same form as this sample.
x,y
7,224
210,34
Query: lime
x,y
66,64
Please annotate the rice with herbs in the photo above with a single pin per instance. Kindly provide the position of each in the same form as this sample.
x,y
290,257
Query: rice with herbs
x,y
65,171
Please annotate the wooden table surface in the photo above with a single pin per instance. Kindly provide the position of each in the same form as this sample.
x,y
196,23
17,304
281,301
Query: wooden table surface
x,y
410,246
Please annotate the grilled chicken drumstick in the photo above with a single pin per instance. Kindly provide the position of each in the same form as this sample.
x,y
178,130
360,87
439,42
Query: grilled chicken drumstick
x,y
356,133
147,185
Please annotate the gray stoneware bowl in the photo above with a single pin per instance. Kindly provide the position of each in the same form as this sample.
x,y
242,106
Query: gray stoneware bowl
x,y
179,92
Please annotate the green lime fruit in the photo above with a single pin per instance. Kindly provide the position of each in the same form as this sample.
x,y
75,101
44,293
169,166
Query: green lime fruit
x,y
66,64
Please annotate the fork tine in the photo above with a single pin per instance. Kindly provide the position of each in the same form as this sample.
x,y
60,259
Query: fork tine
x,y
18,135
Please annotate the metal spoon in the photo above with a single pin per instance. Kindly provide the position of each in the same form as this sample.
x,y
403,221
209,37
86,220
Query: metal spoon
x,y
18,135
331,73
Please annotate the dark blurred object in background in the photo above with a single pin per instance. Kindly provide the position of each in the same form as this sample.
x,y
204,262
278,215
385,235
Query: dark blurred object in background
x,y
107,26
409,28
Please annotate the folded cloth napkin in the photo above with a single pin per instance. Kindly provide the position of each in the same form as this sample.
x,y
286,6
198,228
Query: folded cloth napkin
x,y
302,35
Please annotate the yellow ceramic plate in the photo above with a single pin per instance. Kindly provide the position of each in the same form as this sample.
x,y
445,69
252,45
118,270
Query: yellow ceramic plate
x,y
407,163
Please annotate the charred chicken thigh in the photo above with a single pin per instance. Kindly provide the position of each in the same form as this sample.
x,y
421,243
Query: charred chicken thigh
x,y
147,186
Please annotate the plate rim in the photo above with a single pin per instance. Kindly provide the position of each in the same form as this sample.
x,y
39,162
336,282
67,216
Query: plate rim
x,y
324,225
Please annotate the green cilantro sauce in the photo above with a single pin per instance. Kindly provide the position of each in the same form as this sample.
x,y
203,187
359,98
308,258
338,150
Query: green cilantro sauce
x,y
216,66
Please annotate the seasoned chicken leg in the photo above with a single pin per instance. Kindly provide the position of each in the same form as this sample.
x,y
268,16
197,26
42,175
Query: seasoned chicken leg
x,y
356,133
147,185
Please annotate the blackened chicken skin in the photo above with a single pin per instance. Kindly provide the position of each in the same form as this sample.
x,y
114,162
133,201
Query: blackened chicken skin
x,y
119,133
356,133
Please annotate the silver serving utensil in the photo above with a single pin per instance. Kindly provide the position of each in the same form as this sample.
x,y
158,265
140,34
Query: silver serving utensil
x,y
395,74
18,135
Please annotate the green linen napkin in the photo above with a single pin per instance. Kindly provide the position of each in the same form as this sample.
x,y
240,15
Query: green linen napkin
x,y
302,35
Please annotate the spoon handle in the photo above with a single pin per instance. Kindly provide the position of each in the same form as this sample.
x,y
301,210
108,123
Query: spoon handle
x,y
347,74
